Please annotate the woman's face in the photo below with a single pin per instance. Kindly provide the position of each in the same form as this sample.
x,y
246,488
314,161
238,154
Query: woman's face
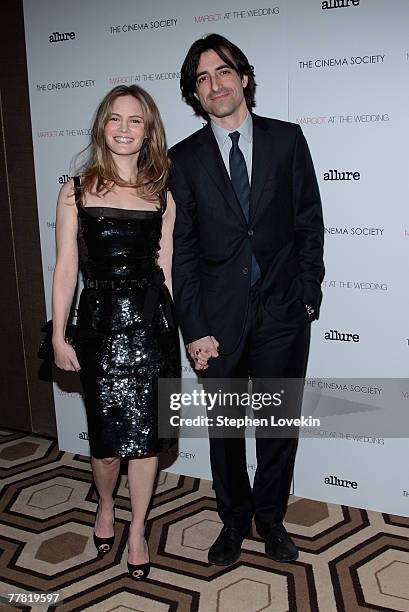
x,y
125,129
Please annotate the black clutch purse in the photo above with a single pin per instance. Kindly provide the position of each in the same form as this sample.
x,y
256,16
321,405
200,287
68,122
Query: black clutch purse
x,y
46,350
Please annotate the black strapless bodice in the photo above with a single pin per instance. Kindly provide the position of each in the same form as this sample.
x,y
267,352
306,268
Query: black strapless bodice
x,y
118,244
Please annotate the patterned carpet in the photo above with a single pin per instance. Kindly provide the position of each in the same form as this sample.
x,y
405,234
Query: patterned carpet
x,y
350,559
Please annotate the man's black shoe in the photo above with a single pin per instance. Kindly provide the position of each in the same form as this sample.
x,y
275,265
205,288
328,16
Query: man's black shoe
x,y
227,547
279,545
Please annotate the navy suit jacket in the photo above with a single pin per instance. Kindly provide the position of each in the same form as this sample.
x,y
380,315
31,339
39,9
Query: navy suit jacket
x,y
213,242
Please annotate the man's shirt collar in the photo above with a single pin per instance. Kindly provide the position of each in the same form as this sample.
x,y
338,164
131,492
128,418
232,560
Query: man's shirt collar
x,y
245,129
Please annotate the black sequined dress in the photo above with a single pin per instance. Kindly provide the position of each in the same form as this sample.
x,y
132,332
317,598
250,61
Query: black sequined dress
x,y
127,336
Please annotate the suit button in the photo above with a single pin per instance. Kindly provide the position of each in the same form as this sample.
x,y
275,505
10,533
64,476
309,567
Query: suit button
x,y
250,232
245,270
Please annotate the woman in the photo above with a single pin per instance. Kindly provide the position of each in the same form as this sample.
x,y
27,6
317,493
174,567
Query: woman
x,y
116,223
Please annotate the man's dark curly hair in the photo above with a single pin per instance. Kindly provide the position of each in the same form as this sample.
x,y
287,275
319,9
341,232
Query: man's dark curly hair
x,y
230,54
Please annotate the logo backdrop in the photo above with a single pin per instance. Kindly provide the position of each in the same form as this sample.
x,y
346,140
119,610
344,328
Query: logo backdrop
x,y
341,72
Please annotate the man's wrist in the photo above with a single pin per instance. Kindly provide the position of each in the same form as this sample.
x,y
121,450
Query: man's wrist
x,y
310,311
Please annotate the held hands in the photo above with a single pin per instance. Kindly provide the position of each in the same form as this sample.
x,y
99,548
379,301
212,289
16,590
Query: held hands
x,y
202,350
65,357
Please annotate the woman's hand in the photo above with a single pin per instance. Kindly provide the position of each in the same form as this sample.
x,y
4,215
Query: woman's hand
x,y
65,357
200,351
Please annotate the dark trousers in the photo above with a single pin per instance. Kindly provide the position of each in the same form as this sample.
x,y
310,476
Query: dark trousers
x,y
269,348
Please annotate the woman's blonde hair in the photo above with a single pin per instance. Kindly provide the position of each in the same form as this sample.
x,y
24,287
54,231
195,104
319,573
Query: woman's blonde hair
x,y
100,173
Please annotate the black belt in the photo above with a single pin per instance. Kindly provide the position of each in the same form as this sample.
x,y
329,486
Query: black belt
x,y
117,283
156,293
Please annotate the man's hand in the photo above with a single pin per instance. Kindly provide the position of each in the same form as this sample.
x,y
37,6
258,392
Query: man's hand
x,y
201,350
310,311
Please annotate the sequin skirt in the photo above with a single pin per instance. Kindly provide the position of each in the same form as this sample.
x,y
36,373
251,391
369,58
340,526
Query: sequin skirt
x,y
122,356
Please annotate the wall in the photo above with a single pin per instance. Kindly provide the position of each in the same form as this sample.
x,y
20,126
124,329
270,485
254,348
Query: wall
x,y
26,400
341,73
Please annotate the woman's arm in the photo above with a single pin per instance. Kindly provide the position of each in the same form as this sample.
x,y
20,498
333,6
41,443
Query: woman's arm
x,y
166,241
65,275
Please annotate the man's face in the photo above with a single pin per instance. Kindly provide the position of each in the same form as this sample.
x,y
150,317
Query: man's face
x,y
219,88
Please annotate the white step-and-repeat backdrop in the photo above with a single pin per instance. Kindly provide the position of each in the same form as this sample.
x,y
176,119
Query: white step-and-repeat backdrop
x,y
340,70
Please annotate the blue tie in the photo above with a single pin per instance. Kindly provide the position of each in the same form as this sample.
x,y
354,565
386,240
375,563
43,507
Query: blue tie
x,y
240,181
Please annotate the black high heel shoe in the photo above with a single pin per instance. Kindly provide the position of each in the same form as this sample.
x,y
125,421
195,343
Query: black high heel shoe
x,y
143,570
104,545
139,572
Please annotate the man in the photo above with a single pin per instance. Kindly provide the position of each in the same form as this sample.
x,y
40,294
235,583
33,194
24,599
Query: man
x,y
247,272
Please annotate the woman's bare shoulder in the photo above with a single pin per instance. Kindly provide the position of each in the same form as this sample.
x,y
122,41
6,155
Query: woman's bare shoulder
x,y
67,193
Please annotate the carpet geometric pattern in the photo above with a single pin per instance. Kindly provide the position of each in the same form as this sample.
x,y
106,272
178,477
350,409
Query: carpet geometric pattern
x,y
350,559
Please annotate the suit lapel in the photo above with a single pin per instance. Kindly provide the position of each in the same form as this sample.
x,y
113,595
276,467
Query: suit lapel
x,y
261,163
210,157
